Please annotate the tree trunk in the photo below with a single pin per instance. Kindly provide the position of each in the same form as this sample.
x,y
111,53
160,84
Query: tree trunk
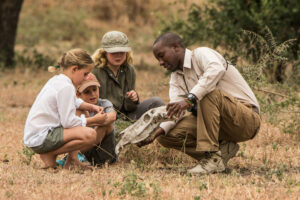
x,y
9,16
280,72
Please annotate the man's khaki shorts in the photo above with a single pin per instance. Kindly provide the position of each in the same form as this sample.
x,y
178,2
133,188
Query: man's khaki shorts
x,y
53,141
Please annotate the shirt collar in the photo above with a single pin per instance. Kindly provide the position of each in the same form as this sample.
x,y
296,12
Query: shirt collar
x,y
65,77
187,63
187,59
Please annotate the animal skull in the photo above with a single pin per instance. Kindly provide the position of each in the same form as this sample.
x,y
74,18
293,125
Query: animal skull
x,y
143,128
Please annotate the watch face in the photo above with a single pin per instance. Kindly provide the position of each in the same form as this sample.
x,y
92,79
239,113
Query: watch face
x,y
190,96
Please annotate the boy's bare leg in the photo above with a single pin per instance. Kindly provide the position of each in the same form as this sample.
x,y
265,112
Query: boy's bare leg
x,y
102,131
109,129
76,139
73,161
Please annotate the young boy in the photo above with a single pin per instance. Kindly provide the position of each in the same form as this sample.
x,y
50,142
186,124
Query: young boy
x,y
104,151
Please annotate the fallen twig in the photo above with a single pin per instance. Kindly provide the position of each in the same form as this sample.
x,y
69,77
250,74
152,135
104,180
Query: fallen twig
x,y
275,93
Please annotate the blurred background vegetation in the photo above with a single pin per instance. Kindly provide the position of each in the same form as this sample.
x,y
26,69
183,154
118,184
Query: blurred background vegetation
x,y
262,37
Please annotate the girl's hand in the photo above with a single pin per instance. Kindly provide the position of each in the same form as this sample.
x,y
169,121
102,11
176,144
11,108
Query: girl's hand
x,y
96,109
132,95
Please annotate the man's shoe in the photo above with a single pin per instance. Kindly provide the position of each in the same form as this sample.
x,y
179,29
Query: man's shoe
x,y
228,150
214,163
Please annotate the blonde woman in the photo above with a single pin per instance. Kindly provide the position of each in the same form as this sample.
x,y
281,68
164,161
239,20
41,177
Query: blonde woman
x,y
52,127
117,76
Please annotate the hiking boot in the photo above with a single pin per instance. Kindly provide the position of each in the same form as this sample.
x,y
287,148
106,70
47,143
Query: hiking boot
x,y
228,150
213,163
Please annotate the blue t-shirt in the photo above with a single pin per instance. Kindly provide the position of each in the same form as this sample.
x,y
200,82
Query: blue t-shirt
x,y
106,104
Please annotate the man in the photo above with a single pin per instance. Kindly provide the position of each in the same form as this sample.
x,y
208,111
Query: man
x,y
223,108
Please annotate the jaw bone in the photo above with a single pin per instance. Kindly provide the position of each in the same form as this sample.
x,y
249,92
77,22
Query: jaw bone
x,y
143,128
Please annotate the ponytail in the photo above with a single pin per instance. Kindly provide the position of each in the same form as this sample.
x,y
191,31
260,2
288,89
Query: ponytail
x,y
73,57
53,69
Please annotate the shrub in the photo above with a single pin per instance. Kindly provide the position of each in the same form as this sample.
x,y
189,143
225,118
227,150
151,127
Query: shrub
x,y
33,59
219,22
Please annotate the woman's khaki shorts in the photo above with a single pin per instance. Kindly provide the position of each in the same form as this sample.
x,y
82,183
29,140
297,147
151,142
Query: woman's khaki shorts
x,y
54,140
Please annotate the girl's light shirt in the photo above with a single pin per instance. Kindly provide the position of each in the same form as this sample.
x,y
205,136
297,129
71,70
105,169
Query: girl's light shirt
x,y
54,106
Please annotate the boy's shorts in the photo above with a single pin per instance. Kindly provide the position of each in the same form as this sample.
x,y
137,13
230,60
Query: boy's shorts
x,y
53,140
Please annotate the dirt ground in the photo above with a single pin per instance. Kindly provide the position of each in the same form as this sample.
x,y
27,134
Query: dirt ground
x,y
268,167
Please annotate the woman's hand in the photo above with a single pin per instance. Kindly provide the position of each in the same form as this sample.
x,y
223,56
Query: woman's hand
x,y
132,95
90,107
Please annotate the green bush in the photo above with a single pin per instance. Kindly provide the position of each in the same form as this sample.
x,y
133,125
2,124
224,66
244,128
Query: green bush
x,y
220,23
33,59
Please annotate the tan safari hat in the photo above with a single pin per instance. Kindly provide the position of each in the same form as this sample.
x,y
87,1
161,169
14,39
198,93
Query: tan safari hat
x,y
115,41
90,80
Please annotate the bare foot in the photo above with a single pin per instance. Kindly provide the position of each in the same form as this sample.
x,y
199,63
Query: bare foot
x,y
49,160
73,163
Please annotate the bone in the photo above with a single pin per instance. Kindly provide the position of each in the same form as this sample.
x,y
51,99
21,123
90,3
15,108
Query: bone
x,y
143,128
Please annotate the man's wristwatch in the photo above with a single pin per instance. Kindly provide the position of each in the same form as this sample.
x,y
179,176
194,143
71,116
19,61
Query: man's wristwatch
x,y
193,99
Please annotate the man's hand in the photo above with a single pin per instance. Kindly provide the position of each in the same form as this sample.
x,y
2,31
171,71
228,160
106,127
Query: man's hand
x,y
149,140
132,95
177,108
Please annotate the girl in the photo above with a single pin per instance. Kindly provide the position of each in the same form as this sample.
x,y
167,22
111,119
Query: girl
x,y
52,128
117,76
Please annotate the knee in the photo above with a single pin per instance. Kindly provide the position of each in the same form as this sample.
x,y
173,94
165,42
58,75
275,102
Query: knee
x,y
213,96
157,102
163,140
90,136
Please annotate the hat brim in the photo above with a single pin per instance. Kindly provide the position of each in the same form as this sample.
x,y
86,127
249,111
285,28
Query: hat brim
x,y
84,86
116,49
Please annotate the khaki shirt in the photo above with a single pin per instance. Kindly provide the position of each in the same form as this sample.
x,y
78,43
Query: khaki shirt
x,y
114,88
205,70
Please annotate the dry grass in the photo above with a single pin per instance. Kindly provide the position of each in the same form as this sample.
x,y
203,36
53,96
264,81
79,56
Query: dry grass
x,y
267,167
54,26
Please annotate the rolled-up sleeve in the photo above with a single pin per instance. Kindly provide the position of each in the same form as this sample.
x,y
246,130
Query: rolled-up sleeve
x,y
66,103
213,71
167,126
78,102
